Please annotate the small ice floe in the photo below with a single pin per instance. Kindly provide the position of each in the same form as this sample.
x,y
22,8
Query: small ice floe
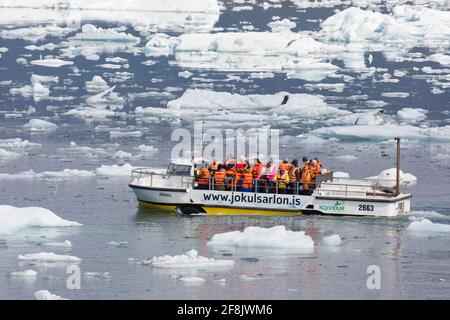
x,y
192,280
65,244
185,74
96,85
412,114
100,275
89,32
47,295
35,34
331,241
13,219
38,125
440,58
258,237
281,25
120,244
146,149
48,257
8,155
347,158
395,94
340,174
25,274
51,63
114,170
425,226
190,259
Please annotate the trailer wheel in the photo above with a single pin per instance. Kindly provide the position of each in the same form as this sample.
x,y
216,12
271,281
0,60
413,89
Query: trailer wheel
x,y
190,209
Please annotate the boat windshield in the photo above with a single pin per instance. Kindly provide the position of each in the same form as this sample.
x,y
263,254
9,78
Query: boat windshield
x,y
179,170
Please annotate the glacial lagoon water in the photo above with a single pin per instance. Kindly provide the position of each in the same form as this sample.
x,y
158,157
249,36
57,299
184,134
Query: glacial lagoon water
x,y
413,265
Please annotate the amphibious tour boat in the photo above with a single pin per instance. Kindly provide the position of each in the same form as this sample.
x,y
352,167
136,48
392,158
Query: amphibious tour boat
x,y
177,190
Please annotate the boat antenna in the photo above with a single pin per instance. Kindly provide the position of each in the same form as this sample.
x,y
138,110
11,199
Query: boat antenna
x,y
397,187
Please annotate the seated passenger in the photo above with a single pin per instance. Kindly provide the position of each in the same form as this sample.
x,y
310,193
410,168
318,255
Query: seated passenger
x,y
214,167
247,181
219,179
282,179
203,179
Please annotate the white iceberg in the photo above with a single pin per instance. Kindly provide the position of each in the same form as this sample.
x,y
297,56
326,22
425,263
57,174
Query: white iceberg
x,y
190,259
26,274
426,226
47,295
96,85
412,114
39,125
114,170
257,237
51,63
331,241
65,244
48,257
13,219
89,32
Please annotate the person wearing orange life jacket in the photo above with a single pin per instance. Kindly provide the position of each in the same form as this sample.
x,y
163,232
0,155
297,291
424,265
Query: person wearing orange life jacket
x,y
203,179
214,167
282,179
247,181
306,178
237,181
294,176
219,179
257,173
285,165
305,163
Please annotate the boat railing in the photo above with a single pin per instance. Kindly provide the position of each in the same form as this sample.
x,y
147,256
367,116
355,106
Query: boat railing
x,y
147,178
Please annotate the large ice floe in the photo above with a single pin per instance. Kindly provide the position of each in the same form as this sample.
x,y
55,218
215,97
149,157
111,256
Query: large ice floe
x,y
13,219
39,125
173,15
48,257
241,109
425,226
384,132
257,237
190,259
283,51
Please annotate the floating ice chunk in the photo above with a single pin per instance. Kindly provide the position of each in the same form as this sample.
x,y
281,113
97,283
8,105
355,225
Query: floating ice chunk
x,y
147,149
47,295
440,58
101,275
48,257
65,244
114,170
122,155
107,98
333,240
121,244
192,280
190,259
257,237
426,226
97,84
185,74
281,25
27,274
347,158
8,155
35,33
91,113
13,219
160,45
30,174
395,94
39,125
412,114
17,143
339,174
89,32
51,63
48,46
384,132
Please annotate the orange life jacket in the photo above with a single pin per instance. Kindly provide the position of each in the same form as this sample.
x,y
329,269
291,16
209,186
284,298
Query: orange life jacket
x,y
285,166
256,172
237,178
293,173
214,166
247,183
281,178
203,178
219,178
230,172
306,178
